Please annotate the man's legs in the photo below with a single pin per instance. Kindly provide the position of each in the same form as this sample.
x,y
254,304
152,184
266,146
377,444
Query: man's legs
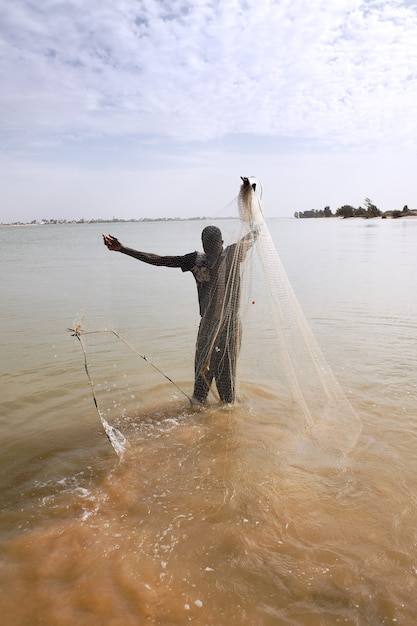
x,y
215,357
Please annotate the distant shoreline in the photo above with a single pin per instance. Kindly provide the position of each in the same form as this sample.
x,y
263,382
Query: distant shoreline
x,y
55,222
59,222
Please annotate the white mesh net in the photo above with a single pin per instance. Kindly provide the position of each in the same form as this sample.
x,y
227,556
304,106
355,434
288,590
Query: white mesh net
x,y
286,360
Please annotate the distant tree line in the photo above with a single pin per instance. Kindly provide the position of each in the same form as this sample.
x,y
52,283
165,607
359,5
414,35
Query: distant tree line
x,y
368,211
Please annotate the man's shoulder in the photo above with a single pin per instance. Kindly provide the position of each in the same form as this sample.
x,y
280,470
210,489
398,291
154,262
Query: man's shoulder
x,y
188,261
196,262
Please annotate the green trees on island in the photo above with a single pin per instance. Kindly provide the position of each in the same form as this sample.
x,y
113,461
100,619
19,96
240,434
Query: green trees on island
x,y
368,211
326,212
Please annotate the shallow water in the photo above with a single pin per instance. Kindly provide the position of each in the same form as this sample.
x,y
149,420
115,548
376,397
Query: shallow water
x,y
225,515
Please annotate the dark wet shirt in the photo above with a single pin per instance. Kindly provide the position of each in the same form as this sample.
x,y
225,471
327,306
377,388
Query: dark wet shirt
x,y
214,283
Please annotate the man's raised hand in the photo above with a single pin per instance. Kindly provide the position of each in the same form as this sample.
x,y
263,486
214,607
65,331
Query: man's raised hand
x,y
112,243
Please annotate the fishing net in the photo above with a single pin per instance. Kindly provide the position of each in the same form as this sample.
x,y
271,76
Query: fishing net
x,y
287,363
253,345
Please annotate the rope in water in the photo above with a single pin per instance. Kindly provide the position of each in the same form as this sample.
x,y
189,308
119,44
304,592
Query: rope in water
x,y
117,440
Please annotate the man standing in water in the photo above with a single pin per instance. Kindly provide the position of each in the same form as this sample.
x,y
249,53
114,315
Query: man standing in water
x,y
217,275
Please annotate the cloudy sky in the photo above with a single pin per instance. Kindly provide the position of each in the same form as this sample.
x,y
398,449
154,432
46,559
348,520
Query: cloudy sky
x,y
134,108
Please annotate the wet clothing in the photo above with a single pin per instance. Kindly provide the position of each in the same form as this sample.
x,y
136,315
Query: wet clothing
x,y
218,338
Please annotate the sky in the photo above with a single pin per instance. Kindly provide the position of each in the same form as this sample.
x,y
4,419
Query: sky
x,y
155,108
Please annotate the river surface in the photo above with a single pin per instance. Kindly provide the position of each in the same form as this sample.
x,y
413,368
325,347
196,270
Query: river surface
x,y
219,516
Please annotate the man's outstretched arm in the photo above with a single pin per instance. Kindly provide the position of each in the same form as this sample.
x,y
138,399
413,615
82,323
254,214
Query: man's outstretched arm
x,y
147,257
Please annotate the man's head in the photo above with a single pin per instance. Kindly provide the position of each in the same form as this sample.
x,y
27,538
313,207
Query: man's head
x,y
212,240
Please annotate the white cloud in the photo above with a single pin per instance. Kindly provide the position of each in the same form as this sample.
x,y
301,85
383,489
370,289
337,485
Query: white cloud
x,y
97,96
342,70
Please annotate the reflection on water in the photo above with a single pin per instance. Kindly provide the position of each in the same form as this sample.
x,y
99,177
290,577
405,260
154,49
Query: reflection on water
x,y
219,516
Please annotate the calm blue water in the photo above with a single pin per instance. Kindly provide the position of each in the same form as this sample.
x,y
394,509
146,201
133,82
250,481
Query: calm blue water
x,y
223,516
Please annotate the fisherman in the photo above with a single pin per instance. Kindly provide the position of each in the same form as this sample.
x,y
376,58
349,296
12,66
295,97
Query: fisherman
x,y
217,275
